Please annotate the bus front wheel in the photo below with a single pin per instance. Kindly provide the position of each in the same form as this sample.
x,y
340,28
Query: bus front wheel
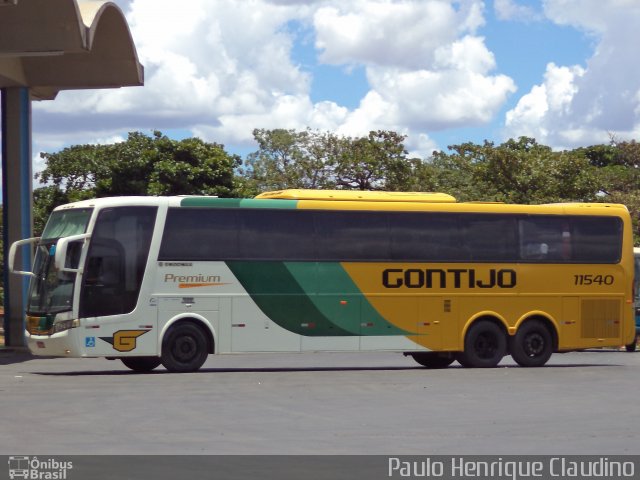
x,y
184,348
532,345
141,364
484,345
633,345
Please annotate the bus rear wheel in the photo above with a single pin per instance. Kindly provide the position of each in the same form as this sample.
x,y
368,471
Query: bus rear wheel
x,y
484,345
433,359
532,345
141,364
633,345
184,348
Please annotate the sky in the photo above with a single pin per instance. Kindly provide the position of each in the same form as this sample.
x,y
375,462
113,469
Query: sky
x,y
441,72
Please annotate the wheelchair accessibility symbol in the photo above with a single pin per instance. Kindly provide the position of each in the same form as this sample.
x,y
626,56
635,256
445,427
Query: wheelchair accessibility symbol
x,y
90,342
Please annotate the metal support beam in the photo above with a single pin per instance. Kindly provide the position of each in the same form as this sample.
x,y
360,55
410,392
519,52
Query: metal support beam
x,y
17,202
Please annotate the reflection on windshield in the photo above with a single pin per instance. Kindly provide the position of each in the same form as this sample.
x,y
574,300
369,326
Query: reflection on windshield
x,y
50,290
65,223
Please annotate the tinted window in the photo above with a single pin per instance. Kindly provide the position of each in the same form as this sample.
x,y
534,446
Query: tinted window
x,y
545,238
596,239
572,239
305,235
116,260
276,235
200,234
489,238
347,235
425,236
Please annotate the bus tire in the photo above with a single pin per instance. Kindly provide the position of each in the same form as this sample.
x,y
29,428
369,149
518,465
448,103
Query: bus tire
x,y
532,345
433,359
632,346
141,364
184,348
484,345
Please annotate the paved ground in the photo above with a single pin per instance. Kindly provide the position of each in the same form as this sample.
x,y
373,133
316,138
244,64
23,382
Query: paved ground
x,y
370,403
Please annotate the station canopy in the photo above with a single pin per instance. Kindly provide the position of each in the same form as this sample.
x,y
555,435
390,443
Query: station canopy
x,y
53,45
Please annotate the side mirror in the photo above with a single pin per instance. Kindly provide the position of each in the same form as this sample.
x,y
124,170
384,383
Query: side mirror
x,y
13,250
60,256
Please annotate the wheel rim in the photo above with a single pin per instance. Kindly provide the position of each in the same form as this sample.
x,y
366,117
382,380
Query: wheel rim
x,y
185,349
486,346
534,345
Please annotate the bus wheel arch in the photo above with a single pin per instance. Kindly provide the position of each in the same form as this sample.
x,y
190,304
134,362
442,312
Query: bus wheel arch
x,y
197,320
536,338
186,344
485,342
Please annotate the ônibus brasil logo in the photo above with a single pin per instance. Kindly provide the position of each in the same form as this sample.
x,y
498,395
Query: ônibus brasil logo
x,y
38,469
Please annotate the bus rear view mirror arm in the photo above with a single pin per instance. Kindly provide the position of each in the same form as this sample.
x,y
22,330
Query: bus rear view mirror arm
x,y
13,250
60,258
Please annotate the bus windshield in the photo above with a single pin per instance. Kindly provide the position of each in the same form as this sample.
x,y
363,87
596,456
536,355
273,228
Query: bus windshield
x,y
50,290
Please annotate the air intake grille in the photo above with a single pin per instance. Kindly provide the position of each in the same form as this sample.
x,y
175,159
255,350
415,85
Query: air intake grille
x,y
600,318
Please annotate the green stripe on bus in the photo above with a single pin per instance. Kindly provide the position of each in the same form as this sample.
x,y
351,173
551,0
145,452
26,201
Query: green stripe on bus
x,y
338,298
281,298
311,298
237,203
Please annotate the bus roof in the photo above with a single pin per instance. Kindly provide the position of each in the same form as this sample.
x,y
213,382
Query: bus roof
x,y
358,195
355,200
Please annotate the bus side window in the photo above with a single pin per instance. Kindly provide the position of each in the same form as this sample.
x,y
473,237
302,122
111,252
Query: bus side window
x,y
104,266
74,249
541,238
535,250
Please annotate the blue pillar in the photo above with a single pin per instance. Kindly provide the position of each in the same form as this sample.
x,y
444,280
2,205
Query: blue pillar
x,y
17,203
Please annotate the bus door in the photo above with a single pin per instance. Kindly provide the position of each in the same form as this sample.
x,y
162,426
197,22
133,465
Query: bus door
x,y
110,288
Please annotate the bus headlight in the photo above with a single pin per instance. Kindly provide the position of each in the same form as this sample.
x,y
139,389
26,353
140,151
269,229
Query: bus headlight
x,y
65,325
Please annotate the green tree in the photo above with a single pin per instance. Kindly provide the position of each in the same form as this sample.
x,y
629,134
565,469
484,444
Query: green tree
x,y
141,165
375,162
619,177
45,199
517,171
289,159
311,159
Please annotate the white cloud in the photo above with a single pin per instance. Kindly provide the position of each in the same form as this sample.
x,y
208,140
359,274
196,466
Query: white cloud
x,y
404,34
427,68
592,15
381,32
220,68
435,100
553,96
582,105
511,10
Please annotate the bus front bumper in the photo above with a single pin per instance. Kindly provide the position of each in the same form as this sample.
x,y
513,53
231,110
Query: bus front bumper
x,y
61,344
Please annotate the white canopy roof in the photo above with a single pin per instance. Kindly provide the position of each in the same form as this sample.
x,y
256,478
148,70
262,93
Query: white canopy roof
x,y
53,45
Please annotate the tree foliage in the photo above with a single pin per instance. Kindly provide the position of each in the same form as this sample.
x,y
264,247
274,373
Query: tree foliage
x,y
311,159
516,171
141,165
289,159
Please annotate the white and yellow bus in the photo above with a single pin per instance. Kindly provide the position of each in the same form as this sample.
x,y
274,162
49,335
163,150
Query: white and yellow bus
x,y
170,280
